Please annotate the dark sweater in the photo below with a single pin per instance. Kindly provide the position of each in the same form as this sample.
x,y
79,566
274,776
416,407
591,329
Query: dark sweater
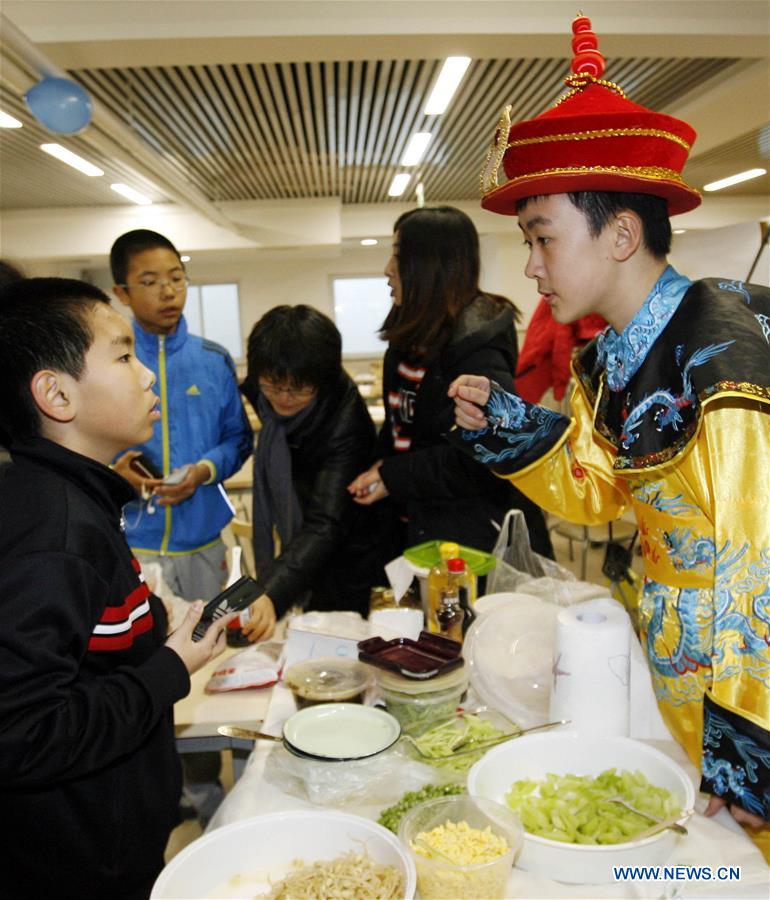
x,y
89,775
445,494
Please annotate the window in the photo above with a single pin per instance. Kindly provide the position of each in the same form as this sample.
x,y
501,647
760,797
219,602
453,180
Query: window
x,y
214,312
360,307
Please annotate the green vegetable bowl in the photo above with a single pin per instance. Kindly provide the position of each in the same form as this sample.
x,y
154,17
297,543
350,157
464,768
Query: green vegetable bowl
x,y
516,774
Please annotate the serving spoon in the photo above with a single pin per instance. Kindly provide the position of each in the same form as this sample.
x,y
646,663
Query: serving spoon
x,y
235,731
660,824
470,747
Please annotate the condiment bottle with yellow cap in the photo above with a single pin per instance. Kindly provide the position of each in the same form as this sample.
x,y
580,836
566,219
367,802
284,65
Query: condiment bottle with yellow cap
x,y
437,582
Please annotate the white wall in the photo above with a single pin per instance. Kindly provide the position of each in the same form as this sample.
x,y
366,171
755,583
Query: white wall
x,y
269,278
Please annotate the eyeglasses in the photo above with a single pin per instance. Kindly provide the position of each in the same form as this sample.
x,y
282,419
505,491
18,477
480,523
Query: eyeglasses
x,y
274,390
177,284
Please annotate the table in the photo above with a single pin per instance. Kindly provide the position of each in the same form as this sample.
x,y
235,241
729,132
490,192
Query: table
x,y
198,715
715,842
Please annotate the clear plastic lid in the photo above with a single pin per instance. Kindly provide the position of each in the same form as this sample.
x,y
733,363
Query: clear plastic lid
x,y
327,679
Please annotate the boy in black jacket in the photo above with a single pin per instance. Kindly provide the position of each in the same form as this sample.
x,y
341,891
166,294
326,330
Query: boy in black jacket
x,y
89,775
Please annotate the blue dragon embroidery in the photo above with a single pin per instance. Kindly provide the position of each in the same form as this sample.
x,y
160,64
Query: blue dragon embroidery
x,y
688,552
651,493
690,653
729,620
670,402
725,777
531,423
738,287
764,324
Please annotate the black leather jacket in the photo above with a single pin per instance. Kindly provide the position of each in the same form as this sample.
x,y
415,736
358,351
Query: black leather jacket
x,y
338,554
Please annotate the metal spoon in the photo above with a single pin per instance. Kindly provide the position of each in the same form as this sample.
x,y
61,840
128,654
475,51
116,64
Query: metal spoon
x,y
235,731
660,824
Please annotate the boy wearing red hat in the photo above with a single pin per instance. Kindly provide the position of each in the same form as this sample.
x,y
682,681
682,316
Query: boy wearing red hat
x,y
671,414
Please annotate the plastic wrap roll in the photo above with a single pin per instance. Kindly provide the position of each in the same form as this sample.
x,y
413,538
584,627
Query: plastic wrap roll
x,y
591,658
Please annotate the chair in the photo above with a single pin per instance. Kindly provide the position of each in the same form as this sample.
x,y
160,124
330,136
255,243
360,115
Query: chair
x,y
240,533
590,535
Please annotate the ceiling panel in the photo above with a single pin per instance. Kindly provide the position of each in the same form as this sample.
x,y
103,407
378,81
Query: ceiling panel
x,y
31,179
751,150
317,129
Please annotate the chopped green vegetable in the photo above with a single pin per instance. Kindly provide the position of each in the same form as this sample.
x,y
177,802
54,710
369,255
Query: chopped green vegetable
x,y
391,817
457,735
576,809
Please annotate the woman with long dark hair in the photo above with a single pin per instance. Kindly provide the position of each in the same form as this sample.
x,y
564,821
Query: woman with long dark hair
x,y
441,323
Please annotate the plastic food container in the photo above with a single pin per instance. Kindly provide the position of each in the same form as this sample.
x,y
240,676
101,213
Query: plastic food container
x,y
416,704
430,655
427,555
327,680
437,878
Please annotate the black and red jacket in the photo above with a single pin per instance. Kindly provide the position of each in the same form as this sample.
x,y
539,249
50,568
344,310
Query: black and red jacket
x,y
89,774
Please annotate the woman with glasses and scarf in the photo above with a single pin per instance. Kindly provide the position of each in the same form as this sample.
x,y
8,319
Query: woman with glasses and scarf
x,y
441,322
316,435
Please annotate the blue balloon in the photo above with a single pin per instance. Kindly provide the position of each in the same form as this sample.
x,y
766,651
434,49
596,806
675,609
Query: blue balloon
x,y
60,105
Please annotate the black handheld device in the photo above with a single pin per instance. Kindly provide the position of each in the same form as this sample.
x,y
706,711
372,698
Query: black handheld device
x,y
233,599
145,467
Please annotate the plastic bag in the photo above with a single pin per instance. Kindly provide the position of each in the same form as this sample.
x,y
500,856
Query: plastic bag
x,y
176,607
520,570
380,780
255,667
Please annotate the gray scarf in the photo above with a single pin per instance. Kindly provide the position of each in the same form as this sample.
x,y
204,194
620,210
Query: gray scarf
x,y
275,502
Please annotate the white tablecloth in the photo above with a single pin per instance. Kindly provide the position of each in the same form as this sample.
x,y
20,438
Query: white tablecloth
x,y
711,842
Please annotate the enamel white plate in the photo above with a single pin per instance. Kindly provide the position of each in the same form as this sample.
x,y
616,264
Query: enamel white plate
x,y
341,731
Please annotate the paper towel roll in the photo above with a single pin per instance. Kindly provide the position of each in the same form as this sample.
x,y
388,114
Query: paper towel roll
x,y
591,654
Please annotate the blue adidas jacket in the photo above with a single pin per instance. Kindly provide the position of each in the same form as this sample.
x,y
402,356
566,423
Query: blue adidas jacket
x,y
202,419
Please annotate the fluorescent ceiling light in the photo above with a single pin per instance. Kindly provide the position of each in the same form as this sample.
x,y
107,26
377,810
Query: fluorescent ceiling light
x,y
734,179
415,149
679,230
7,121
72,159
130,194
369,242
449,79
185,258
399,183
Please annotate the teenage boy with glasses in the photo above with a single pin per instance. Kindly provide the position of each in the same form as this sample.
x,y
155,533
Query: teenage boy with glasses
x,y
203,427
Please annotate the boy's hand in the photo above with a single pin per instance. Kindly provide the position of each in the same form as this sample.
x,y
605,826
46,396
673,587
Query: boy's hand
x,y
471,395
261,623
368,488
195,654
747,819
171,494
143,486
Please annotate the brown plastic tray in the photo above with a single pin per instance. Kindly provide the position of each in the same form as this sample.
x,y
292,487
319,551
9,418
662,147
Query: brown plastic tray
x,y
430,655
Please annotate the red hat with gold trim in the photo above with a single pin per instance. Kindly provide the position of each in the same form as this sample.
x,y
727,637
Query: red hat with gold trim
x,y
593,139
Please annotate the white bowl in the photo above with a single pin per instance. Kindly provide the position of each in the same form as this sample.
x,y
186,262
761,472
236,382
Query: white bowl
x,y
534,756
264,847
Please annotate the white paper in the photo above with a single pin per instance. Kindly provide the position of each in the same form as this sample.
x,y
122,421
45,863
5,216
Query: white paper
x,y
591,668
400,574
